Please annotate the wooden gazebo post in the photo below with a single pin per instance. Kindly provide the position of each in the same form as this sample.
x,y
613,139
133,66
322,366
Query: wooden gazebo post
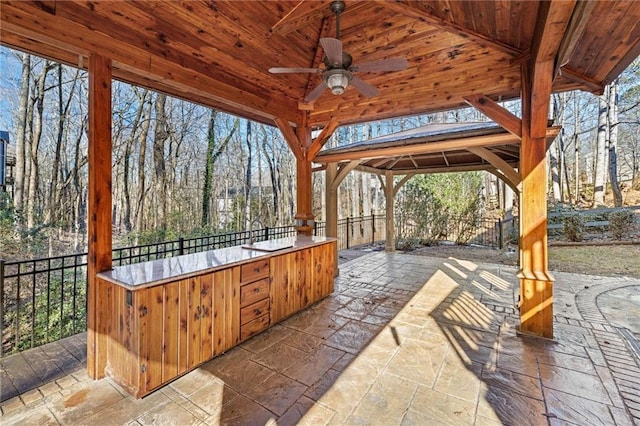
x,y
536,284
99,210
305,149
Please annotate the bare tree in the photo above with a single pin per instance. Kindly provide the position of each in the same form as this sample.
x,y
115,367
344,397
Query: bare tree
x,y
600,166
21,130
612,119
213,153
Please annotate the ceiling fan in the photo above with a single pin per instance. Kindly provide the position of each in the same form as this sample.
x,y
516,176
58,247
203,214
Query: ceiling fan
x,y
339,71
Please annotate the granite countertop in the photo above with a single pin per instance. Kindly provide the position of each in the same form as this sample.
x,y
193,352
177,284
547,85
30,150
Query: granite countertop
x,y
155,272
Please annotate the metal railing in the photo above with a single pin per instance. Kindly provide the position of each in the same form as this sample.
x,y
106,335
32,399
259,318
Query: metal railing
x,y
153,251
44,300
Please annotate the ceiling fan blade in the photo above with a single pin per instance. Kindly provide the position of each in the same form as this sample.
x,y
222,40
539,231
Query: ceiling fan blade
x,y
391,64
333,49
315,93
364,88
277,70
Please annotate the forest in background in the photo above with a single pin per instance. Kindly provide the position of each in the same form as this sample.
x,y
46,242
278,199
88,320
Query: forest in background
x,y
181,169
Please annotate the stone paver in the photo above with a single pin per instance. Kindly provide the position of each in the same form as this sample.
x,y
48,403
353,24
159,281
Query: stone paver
x,y
403,340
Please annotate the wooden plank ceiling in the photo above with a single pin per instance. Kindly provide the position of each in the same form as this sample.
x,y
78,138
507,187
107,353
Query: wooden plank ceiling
x,y
218,53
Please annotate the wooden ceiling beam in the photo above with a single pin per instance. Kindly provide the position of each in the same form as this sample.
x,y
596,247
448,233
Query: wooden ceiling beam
x,y
516,188
322,139
343,172
381,162
593,86
577,26
418,10
68,35
401,182
446,160
291,138
497,113
552,22
510,174
317,61
301,15
427,170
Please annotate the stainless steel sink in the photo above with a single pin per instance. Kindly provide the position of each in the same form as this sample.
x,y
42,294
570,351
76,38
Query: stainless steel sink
x,y
268,246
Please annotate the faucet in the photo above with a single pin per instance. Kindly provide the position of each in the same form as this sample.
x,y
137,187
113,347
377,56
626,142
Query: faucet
x,y
253,222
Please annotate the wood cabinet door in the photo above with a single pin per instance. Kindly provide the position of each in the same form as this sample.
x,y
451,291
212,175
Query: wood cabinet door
x,y
322,271
226,309
289,276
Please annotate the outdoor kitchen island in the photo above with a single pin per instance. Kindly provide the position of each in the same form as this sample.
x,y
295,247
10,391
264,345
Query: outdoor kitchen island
x,y
164,318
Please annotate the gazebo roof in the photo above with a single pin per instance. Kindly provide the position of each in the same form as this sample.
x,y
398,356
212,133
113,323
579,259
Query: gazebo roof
x,y
433,148
218,53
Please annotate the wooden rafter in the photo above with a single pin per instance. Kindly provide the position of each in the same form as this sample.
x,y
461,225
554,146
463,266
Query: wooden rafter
x,y
322,139
343,172
593,86
394,162
510,175
444,156
290,137
401,182
317,60
496,112
577,26
553,20
302,14
418,10
413,161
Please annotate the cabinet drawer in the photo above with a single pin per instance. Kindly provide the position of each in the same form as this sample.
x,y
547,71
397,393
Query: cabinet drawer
x,y
251,293
254,310
254,271
254,327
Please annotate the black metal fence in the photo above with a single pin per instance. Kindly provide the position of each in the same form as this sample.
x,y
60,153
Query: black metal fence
x,y
44,300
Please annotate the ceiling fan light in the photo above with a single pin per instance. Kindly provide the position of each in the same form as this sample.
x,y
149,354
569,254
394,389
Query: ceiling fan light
x,y
337,82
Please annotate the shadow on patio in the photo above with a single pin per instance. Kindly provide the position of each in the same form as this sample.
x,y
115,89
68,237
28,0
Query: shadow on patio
x,y
403,339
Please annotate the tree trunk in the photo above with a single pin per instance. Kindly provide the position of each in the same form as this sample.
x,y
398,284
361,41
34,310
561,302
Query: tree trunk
x,y
247,180
40,89
142,155
55,193
128,150
601,169
160,136
613,143
213,153
21,131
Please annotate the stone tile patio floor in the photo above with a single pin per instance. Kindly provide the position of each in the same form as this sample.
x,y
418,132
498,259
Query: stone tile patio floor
x,y
403,340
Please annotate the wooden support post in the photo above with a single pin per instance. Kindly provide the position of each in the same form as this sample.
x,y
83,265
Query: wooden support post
x,y
389,193
331,202
536,285
99,211
304,190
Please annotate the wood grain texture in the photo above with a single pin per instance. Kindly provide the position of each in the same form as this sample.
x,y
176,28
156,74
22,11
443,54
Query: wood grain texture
x,y
158,333
218,53
536,285
152,323
252,292
98,211
206,317
171,331
253,271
